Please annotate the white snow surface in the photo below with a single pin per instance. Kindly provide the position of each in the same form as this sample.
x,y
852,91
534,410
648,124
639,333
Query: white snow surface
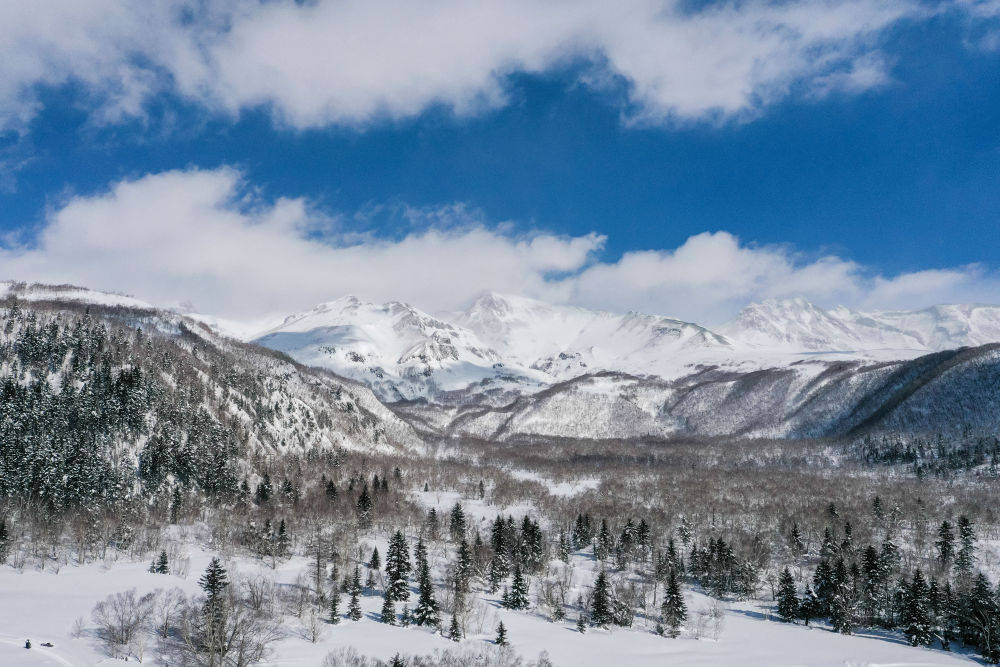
x,y
43,605
503,343
39,292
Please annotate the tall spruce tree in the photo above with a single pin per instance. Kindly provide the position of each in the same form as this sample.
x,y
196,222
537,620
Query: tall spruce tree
x,y
398,568
426,611
917,621
354,606
600,606
673,611
788,599
517,598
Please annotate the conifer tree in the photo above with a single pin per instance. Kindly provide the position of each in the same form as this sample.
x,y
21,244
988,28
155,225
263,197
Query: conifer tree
x,y
214,582
965,560
161,564
454,630
518,596
795,540
4,541
501,639
917,622
388,609
945,545
426,611
788,599
673,611
335,604
842,602
281,540
810,606
364,507
397,660
354,606
398,568
600,606
375,562
456,524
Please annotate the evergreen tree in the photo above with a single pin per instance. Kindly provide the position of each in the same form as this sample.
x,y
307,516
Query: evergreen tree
x,y
788,600
398,568
426,611
375,562
161,564
518,596
581,623
4,541
354,606
501,639
264,490
600,607
917,621
282,540
945,545
214,582
456,525
335,604
795,541
454,630
388,609
842,602
364,507
965,560
397,660
673,611
810,607
602,548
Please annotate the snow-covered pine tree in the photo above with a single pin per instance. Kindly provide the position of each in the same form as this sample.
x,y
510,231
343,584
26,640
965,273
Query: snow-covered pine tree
x,y
426,611
788,599
673,611
354,606
600,606
398,568
388,609
456,523
335,603
917,622
501,639
517,598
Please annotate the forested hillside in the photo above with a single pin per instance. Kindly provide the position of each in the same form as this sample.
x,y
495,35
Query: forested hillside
x,y
101,402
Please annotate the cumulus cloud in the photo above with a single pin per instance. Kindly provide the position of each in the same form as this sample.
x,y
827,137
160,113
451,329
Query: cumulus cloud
x,y
351,61
201,236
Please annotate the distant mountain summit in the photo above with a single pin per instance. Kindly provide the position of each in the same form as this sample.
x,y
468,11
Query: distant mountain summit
x,y
796,325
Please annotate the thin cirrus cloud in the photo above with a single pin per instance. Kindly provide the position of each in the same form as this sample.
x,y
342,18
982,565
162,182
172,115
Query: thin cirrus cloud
x,y
349,62
198,236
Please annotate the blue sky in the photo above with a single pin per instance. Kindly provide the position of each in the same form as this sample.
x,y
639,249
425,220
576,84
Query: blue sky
x,y
861,167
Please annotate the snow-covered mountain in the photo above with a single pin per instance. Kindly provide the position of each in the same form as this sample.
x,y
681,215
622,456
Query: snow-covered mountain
x,y
399,351
499,343
504,346
795,325
565,341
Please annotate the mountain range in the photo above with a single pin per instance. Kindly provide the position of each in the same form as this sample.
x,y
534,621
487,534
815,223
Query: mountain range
x,y
502,344
513,369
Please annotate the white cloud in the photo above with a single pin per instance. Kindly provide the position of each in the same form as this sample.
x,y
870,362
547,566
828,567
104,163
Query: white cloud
x,y
198,236
350,61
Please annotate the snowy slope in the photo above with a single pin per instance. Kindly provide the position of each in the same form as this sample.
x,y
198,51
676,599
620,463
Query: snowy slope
x,y
566,341
396,349
39,292
795,325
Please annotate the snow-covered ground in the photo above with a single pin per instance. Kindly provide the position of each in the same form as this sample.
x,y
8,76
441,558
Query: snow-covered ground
x,y
43,606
